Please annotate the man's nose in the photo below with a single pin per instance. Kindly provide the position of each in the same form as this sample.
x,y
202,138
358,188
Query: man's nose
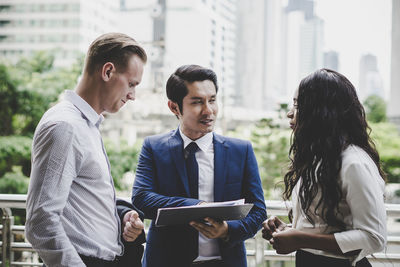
x,y
207,109
131,95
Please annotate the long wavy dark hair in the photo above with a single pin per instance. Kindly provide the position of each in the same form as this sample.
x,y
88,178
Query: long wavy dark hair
x,y
329,118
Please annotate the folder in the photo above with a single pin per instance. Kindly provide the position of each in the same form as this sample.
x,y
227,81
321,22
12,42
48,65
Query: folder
x,y
220,211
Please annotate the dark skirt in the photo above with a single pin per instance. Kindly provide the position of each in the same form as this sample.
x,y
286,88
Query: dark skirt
x,y
307,259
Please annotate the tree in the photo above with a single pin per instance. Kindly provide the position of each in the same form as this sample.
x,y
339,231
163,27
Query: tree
x,y
15,151
387,140
271,146
8,101
375,108
27,90
122,160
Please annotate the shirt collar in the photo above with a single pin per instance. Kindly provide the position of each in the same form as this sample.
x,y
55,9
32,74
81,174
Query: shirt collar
x,y
203,142
87,110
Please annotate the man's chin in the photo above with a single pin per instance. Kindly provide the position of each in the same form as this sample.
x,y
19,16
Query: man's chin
x,y
208,129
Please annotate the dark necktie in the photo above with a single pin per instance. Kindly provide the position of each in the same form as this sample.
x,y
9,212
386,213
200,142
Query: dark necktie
x,y
192,169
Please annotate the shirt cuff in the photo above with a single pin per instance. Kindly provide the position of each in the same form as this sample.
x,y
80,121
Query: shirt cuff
x,y
349,241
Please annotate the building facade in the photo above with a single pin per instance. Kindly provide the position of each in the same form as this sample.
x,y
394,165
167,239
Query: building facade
x,y
394,100
65,26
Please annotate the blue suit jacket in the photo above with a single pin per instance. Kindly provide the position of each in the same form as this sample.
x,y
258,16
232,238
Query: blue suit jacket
x,y
161,181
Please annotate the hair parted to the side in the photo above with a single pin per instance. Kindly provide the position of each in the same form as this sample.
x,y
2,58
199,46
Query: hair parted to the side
x,y
176,84
112,47
329,118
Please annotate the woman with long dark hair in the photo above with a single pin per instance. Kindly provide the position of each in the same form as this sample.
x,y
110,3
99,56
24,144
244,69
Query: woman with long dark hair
x,y
335,179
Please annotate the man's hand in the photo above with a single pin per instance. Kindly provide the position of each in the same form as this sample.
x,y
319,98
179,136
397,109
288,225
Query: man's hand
x,y
132,225
213,229
286,241
272,225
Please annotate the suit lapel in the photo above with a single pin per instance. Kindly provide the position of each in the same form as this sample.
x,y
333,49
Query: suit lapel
x,y
175,143
220,159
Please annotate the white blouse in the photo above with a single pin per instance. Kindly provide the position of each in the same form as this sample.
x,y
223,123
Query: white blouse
x,y
362,208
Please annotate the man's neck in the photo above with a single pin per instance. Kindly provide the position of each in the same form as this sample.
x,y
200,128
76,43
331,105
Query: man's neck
x,y
88,90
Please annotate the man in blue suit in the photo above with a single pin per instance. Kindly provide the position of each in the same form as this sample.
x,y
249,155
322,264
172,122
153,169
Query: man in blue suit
x,y
221,169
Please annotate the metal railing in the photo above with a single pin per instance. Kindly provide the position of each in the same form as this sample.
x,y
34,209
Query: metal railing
x,y
389,257
258,250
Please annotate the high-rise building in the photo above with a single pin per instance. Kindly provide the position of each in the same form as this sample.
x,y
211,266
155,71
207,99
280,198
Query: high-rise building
x,y
66,26
311,45
394,100
175,33
331,60
281,44
203,33
292,63
178,32
303,44
370,82
259,54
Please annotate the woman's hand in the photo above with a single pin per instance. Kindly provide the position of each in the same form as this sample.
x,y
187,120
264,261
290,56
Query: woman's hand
x,y
272,225
286,241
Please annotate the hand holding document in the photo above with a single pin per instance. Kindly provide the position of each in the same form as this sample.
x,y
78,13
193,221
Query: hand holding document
x,y
221,211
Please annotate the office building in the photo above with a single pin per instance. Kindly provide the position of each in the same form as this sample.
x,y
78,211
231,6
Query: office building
x,y
65,26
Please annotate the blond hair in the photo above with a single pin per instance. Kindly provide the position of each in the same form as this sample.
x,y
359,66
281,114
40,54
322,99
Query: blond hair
x,y
116,48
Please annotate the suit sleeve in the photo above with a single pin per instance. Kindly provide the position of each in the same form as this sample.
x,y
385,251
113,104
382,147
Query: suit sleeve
x,y
145,194
240,230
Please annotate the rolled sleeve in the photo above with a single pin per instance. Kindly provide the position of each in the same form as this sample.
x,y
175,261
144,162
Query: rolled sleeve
x,y
364,193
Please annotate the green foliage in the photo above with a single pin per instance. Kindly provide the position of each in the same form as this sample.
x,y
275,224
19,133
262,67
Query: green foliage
x,y
122,160
28,88
271,145
14,183
375,108
15,151
8,101
39,62
387,140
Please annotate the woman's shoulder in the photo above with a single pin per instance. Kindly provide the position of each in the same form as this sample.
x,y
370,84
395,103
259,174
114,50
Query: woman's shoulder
x,y
357,163
355,155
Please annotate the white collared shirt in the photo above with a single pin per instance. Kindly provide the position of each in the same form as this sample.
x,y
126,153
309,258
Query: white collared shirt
x,y
208,248
362,208
71,198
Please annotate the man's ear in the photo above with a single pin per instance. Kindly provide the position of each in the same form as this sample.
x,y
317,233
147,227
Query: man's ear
x,y
174,108
107,71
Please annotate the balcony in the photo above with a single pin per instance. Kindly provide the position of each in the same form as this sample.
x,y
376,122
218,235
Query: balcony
x,y
259,252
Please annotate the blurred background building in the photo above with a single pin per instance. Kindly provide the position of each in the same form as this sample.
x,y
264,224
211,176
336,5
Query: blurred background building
x,y
66,26
260,50
370,82
394,100
331,60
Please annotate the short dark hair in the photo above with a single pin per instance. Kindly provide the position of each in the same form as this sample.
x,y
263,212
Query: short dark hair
x,y
113,47
176,84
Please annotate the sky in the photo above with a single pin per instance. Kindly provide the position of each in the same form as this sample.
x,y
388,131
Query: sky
x,y
357,27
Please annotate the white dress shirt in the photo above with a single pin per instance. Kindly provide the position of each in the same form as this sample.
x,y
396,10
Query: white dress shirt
x,y
362,208
208,248
71,198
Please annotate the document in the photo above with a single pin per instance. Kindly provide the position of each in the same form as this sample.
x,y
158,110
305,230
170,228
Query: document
x,y
221,211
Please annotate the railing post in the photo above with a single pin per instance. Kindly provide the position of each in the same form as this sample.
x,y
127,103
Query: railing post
x,y
259,250
8,221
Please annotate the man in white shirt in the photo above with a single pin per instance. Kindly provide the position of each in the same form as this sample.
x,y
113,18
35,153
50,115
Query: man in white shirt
x,y
72,218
